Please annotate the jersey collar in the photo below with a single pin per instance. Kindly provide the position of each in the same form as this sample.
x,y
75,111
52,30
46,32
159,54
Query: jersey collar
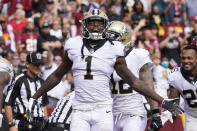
x,y
187,76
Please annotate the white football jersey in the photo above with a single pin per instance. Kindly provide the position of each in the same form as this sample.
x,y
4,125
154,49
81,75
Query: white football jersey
x,y
125,98
187,89
5,66
92,73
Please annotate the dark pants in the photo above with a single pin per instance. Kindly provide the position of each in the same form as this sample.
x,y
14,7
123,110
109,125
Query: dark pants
x,y
36,125
54,129
57,127
4,126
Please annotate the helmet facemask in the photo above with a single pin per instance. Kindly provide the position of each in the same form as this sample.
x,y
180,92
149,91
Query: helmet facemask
x,y
94,34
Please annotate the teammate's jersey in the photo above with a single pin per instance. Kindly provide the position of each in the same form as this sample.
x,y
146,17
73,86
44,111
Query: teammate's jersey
x,y
5,66
126,100
187,88
92,73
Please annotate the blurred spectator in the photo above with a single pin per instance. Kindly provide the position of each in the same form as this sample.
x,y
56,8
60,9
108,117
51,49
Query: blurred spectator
x,y
112,13
6,31
37,6
93,4
103,8
26,5
18,24
189,28
50,8
56,29
57,60
55,94
79,15
45,41
162,4
44,18
170,46
193,33
138,12
65,33
147,33
29,37
155,39
191,6
176,8
22,66
158,19
147,5
15,62
178,27
160,74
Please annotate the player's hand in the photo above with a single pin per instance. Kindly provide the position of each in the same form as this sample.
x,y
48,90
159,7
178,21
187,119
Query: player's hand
x,y
171,106
13,128
156,123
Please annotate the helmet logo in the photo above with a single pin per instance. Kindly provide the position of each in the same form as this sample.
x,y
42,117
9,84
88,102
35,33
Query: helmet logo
x,y
95,12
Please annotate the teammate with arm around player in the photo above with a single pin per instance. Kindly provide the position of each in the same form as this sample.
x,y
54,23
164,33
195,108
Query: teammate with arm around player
x,y
93,59
128,105
182,82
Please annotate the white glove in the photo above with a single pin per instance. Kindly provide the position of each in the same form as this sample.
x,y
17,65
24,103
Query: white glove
x,y
171,106
1,120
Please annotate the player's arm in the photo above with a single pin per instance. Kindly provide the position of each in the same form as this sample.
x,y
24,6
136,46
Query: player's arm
x,y
146,75
174,93
55,77
5,78
136,84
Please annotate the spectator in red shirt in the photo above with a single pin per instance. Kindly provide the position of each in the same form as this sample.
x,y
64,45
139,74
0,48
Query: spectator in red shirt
x,y
18,24
78,16
19,4
29,37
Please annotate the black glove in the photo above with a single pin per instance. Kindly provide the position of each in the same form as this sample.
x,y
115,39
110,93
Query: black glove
x,y
155,124
171,106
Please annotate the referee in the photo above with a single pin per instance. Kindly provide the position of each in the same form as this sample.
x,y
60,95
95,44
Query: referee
x,y
61,116
18,97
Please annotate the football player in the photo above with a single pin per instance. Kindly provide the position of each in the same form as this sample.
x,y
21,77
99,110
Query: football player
x,y
182,82
128,107
93,59
6,81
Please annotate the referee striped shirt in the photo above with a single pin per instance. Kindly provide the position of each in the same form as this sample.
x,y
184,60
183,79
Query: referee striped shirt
x,y
21,92
62,112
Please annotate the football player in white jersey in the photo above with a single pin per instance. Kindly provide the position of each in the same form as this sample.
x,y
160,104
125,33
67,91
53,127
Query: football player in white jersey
x,y
6,80
93,59
183,81
128,107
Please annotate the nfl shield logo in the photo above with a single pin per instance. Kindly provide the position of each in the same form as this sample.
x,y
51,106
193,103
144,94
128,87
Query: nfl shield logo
x,y
38,56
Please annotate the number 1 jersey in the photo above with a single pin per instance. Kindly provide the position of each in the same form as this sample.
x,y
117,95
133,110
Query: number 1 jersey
x,y
92,73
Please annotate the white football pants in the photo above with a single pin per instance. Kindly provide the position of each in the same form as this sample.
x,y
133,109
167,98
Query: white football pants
x,y
97,119
130,123
190,123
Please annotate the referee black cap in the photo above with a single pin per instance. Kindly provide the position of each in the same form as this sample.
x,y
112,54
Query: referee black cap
x,y
34,58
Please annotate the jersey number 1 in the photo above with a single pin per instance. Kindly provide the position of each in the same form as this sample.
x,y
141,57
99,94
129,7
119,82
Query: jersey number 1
x,y
88,75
